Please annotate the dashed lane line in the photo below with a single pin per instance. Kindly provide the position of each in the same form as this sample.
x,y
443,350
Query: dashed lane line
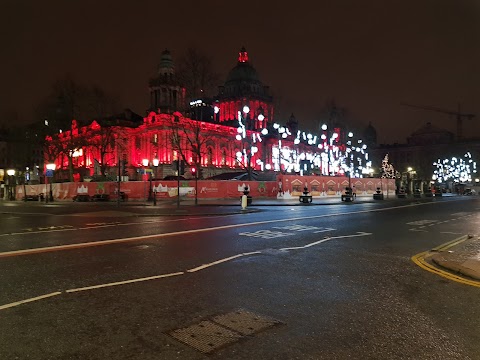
x,y
184,232
125,282
6,306
156,277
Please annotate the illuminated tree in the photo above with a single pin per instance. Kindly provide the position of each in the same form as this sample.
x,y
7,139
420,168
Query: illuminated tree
x,y
456,169
388,171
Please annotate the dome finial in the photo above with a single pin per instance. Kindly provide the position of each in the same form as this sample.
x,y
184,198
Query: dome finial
x,y
243,55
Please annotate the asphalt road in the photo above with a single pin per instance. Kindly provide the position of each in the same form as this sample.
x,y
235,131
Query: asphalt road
x,y
313,282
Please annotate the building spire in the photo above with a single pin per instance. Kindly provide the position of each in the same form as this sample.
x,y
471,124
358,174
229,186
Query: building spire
x,y
243,55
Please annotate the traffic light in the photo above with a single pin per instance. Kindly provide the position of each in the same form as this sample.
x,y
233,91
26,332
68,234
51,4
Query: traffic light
x,y
179,165
123,164
181,171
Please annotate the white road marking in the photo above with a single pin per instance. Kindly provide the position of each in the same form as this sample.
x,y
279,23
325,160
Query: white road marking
x,y
326,239
265,234
124,282
155,277
204,266
421,222
185,232
449,232
104,226
324,230
6,306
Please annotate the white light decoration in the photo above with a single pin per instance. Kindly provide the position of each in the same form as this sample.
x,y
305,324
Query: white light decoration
x,y
261,117
216,109
454,169
324,127
264,131
276,126
350,134
246,109
296,141
238,137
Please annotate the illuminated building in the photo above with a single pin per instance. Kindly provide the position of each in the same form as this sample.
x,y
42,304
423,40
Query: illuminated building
x,y
237,132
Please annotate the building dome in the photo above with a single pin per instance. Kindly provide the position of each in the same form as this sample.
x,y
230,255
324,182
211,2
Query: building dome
x,y
430,134
242,72
243,79
370,135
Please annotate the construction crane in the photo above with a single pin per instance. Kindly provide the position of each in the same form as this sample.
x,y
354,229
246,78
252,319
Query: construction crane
x,y
459,116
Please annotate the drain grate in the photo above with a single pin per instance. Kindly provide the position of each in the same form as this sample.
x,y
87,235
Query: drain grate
x,y
205,336
245,322
222,330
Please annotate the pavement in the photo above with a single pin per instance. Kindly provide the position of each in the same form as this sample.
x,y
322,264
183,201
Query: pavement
x,y
459,258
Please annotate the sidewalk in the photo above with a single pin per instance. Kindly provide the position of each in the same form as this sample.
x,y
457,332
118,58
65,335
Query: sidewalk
x,y
461,257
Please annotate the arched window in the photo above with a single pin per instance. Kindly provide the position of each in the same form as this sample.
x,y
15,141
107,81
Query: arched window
x,y
209,156
223,161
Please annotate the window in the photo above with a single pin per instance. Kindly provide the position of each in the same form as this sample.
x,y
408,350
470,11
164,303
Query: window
x,y
209,156
224,157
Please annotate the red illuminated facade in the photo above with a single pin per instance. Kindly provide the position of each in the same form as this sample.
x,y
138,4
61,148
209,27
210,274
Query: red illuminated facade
x,y
102,146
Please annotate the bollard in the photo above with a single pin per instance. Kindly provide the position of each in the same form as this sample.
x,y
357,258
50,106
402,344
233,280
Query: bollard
x,y
244,202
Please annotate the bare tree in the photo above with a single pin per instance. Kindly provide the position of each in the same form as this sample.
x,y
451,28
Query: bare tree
x,y
189,137
70,100
196,72
104,139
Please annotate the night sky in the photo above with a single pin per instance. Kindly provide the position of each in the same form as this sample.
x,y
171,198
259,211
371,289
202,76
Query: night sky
x,y
369,56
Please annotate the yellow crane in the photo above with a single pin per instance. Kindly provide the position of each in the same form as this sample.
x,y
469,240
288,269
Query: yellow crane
x,y
458,114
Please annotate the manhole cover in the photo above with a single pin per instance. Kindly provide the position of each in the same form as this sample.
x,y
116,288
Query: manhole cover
x,y
205,336
245,322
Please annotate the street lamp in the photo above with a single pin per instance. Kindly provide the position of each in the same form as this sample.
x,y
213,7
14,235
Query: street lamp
x,y
50,169
155,164
145,165
11,181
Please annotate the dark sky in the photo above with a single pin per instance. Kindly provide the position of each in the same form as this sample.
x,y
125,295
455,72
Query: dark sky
x,y
369,56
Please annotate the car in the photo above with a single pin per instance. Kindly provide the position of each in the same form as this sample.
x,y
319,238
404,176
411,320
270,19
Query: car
x,y
101,197
32,197
81,197
174,177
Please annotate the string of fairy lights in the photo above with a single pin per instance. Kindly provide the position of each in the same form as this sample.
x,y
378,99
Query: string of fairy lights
x,y
328,153
456,169
331,152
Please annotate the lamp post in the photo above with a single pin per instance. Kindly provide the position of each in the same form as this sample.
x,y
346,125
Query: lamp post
x,y
145,164
155,164
50,169
11,180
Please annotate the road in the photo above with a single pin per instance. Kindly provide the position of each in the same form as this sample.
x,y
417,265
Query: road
x,y
284,282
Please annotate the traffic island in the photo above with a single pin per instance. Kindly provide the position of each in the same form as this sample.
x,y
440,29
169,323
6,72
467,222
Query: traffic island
x,y
378,194
305,198
348,196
